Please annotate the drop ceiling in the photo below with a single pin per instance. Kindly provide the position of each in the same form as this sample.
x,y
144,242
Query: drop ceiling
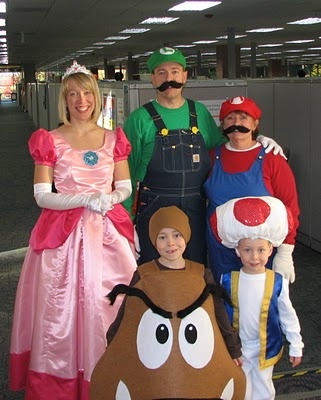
x,y
46,32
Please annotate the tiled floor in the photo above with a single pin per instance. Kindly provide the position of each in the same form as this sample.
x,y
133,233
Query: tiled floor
x,y
19,213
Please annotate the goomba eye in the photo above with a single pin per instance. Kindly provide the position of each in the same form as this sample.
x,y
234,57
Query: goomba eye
x,y
154,339
196,338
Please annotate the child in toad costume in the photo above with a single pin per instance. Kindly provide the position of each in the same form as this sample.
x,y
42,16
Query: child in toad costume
x,y
262,310
167,341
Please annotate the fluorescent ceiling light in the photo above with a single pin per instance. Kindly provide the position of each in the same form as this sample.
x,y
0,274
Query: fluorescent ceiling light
x,y
104,43
269,45
3,33
156,21
293,51
2,7
3,40
119,59
186,45
300,41
265,30
314,48
205,41
311,55
117,37
2,22
194,5
135,30
208,54
273,52
236,36
306,21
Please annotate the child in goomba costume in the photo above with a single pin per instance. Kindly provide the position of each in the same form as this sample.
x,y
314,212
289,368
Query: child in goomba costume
x,y
167,341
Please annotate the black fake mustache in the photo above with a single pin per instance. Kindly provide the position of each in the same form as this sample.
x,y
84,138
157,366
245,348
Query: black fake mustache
x,y
169,84
234,128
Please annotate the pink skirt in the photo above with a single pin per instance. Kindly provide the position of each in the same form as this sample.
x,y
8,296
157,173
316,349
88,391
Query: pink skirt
x,y
62,314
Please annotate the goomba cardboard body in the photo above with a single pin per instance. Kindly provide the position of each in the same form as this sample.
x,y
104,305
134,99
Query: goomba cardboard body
x,y
168,344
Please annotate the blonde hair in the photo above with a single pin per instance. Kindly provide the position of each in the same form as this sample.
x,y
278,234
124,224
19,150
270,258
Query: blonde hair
x,y
86,82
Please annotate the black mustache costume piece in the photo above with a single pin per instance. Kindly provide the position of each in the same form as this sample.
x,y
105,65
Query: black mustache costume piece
x,y
234,128
169,84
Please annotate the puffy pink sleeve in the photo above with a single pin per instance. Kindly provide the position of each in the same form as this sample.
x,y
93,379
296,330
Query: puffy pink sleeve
x,y
122,147
42,149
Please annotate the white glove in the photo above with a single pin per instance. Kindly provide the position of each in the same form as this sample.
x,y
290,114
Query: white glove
x,y
123,189
103,202
283,262
45,198
100,203
136,242
270,144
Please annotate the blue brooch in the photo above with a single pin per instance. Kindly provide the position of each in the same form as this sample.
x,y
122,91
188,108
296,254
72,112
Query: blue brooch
x,y
90,158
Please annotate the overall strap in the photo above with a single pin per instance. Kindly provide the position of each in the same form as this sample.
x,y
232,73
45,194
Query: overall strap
x,y
192,113
157,119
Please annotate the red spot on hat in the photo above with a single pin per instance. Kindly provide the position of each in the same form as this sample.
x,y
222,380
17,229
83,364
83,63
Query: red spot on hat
x,y
251,211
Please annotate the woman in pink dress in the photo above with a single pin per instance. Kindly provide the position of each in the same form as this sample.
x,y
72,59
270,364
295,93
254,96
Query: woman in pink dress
x,y
80,248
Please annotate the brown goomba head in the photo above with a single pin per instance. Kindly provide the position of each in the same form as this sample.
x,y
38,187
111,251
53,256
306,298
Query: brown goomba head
x,y
168,344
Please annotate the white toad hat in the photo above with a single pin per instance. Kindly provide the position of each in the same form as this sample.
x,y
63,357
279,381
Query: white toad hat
x,y
251,217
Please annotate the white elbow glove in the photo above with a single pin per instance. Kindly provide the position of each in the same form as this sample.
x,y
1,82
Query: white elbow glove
x,y
136,242
103,202
270,144
283,262
45,198
97,202
123,189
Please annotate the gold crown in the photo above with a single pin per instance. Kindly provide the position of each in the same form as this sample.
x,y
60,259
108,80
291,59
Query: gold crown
x,y
75,68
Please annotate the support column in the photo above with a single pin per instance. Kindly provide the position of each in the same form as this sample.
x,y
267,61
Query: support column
x,y
274,68
223,61
132,68
199,64
253,60
29,76
110,72
94,71
231,64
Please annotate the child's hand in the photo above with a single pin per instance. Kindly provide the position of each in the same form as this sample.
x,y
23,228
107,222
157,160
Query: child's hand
x,y
238,361
295,361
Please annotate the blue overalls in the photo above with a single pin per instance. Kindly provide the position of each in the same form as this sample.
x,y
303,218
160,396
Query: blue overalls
x,y
175,175
221,187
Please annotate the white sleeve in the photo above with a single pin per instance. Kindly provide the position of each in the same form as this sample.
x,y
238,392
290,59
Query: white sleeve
x,y
289,321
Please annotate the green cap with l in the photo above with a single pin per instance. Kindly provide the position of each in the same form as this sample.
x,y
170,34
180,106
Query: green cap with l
x,y
163,55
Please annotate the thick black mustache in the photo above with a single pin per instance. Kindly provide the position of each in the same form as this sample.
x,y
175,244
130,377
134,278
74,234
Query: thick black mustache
x,y
233,128
165,85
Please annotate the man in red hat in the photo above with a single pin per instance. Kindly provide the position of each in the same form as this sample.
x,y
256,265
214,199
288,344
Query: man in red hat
x,y
242,168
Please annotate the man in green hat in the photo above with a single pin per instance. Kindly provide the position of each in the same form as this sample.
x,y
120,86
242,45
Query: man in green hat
x,y
169,162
